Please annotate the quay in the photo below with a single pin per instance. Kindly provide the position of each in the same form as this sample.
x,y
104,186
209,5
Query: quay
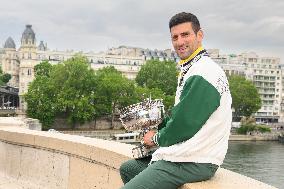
x,y
281,138
263,137
43,160
108,134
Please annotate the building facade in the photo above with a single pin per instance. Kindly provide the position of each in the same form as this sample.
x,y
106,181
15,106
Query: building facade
x,y
265,72
20,62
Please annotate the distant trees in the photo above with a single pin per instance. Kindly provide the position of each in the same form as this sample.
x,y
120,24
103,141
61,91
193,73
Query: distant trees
x,y
4,78
74,91
65,90
245,97
41,100
114,91
159,75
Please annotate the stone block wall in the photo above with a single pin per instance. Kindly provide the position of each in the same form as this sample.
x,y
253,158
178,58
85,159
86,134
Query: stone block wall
x,y
44,160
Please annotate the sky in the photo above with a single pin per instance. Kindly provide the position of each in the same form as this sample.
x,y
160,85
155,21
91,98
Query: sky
x,y
96,25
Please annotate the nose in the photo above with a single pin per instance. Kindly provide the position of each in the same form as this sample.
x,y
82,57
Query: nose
x,y
180,41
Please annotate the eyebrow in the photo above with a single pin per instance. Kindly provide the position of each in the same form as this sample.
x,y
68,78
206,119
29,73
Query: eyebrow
x,y
186,32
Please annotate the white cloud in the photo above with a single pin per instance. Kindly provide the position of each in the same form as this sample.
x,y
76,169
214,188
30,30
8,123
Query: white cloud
x,y
233,26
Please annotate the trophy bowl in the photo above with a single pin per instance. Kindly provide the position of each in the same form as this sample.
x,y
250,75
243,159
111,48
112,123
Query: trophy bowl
x,y
144,115
140,118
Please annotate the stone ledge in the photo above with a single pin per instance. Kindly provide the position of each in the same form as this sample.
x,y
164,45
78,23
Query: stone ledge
x,y
99,158
225,179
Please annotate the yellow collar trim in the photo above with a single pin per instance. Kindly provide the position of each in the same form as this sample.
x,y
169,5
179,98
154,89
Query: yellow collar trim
x,y
191,56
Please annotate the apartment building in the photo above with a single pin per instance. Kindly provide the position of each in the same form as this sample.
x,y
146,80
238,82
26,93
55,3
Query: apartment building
x,y
265,73
20,62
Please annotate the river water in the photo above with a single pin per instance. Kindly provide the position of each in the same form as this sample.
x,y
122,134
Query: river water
x,y
261,160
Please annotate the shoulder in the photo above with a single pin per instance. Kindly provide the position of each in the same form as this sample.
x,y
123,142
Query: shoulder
x,y
207,68
212,72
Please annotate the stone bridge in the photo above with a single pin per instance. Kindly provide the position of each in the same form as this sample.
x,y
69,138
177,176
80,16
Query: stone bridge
x,y
31,159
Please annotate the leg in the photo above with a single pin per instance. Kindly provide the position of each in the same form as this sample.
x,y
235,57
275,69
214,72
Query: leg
x,y
131,168
170,175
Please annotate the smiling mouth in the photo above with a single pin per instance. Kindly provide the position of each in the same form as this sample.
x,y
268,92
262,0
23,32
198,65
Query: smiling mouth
x,y
182,50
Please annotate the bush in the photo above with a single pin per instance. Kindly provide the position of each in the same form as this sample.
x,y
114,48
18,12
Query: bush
x,y
263,129
244,129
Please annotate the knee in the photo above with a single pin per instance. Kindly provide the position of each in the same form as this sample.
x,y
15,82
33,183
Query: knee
x,y
123,167
125,172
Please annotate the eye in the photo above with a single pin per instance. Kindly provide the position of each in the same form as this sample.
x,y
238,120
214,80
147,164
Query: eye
x,y
186,34
174,38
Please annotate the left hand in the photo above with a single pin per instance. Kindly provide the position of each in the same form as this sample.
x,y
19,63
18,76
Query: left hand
x,y
148,138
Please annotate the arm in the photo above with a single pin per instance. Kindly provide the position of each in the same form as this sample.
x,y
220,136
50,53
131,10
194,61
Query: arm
x,y
198,100
164,123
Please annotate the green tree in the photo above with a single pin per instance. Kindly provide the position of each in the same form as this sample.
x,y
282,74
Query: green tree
x,y
157,74
43,69
75,85
41,100
114,91
64,90
142,93
41,96
4,77
245,97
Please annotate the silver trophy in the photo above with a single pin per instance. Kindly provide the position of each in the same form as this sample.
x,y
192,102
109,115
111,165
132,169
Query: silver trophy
x,y
141,118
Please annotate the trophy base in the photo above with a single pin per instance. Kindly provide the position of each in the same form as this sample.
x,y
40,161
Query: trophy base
x,y
142,151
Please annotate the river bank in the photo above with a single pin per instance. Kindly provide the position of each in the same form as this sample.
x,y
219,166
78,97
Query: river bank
x,y
107,134
260,137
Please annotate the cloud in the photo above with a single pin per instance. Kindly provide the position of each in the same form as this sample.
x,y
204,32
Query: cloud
x,y
233,26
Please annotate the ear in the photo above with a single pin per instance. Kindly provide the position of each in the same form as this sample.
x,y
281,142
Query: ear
x,y
200,35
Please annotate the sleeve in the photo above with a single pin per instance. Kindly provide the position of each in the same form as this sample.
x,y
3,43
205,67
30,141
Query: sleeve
x,y
198,100
164,123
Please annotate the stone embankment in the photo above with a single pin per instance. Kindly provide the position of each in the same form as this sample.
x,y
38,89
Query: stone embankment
x,y
260,137
31,159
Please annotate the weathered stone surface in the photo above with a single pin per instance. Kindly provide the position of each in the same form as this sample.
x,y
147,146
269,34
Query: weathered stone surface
x,y
3,162
41,160
13,161
87,175
225,179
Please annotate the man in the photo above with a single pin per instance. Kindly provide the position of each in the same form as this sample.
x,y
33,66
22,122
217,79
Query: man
x,y
193,141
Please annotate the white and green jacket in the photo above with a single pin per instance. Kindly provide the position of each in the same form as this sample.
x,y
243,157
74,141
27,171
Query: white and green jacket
x,y
199,126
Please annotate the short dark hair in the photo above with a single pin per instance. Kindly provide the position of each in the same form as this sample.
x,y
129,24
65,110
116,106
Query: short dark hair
x,y
183,17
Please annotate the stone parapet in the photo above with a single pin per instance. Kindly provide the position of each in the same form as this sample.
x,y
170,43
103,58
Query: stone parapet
x,y
44,160
28,123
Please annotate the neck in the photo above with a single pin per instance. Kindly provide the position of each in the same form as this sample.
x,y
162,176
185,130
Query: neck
x,y
191,56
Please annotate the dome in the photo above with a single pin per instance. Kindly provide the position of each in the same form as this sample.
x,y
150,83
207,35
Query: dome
x,y
42,47
28,35
9,44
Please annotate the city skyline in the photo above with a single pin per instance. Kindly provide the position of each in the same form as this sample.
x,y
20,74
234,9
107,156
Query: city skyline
x,y
232,27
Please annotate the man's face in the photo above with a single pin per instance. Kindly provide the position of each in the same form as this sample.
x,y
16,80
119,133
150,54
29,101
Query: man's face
x,y
184,40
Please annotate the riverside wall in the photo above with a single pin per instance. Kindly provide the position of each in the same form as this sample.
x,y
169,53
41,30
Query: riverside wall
x,y
31,159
